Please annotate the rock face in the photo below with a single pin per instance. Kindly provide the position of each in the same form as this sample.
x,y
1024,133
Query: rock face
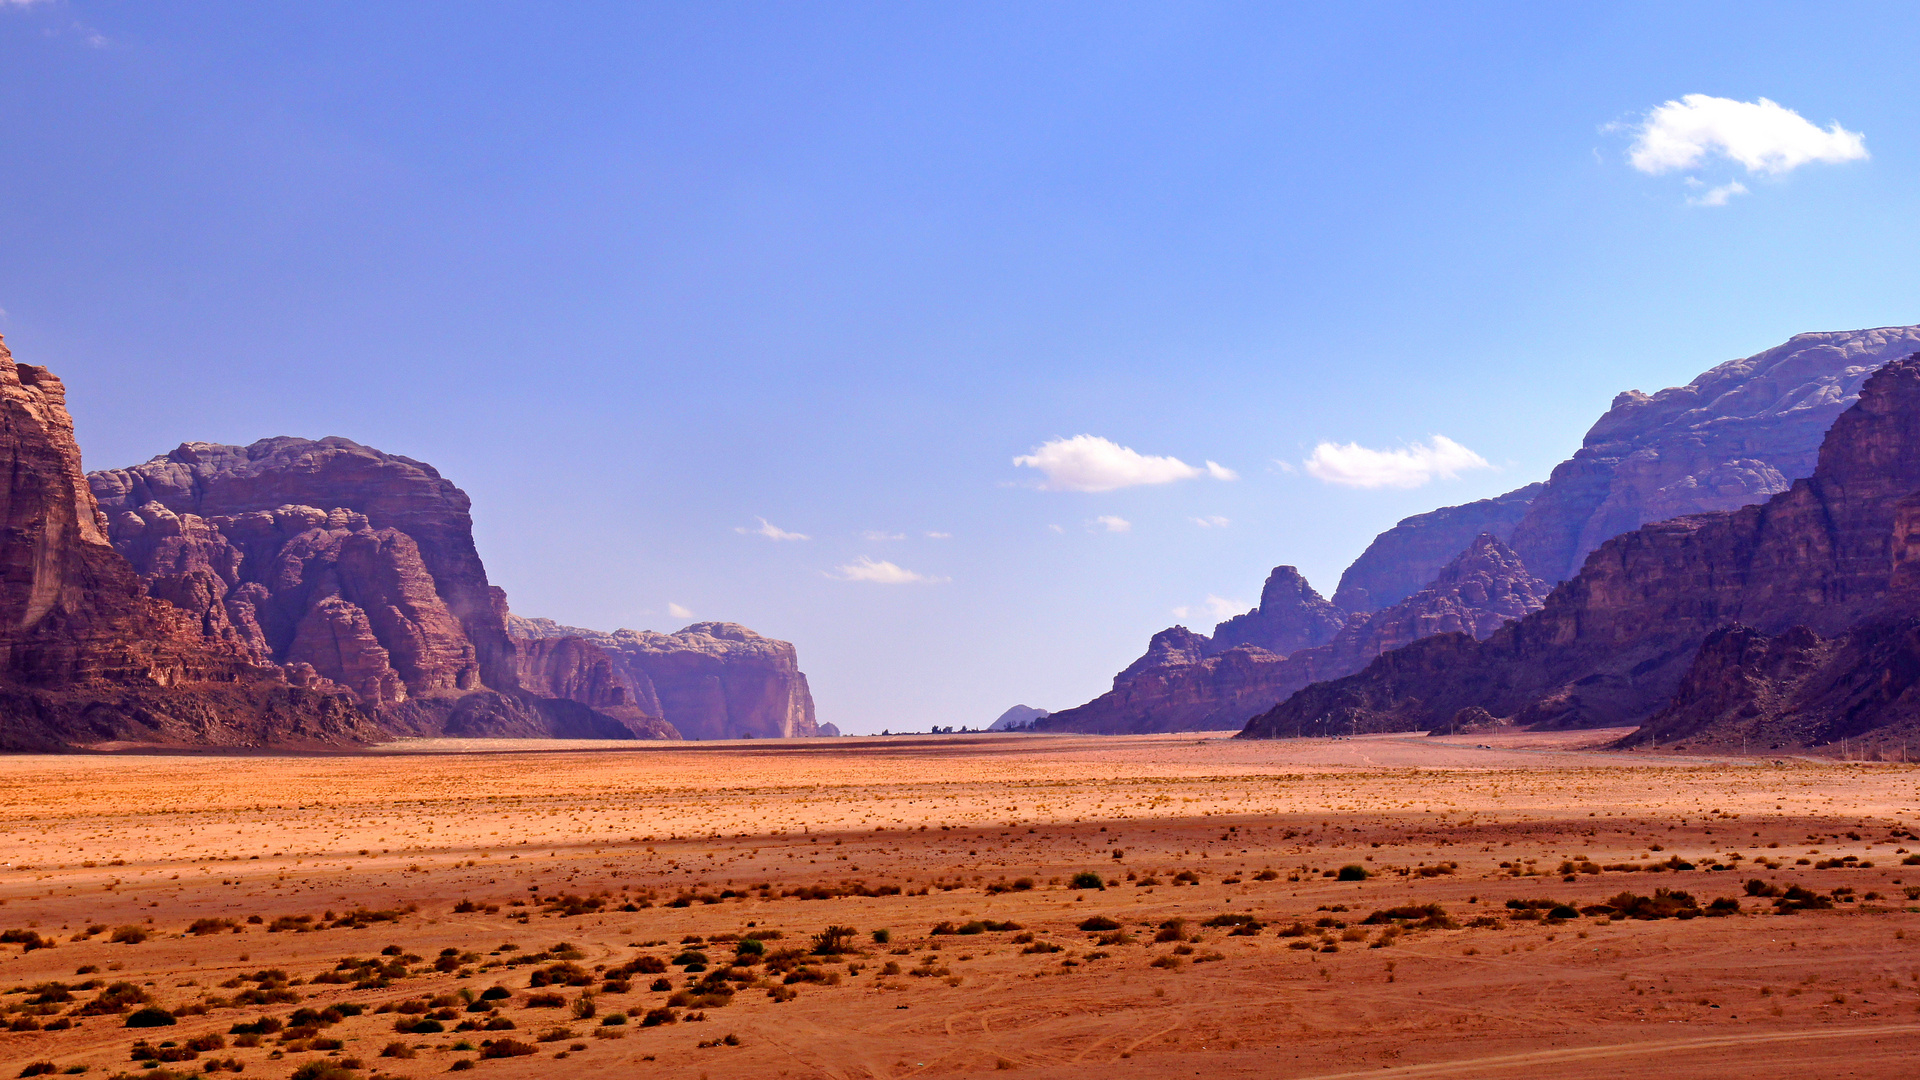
x,y
1837,553
1736,435
85,654
712,680
1291,616
1183,683
1402,560
359,566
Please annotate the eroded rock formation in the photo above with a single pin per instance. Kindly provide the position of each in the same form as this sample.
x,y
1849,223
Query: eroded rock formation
x,y
86,656
1837,554
712,680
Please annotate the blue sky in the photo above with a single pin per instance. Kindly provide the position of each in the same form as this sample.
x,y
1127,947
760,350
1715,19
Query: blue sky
x,y
639,277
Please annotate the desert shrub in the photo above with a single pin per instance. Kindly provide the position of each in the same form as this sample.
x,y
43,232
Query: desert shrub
x,y
833,941
298,924
1352,872
128,935
266,1025
584,1007
1097,923
204,1043
322,1070
1230,919
508,1048
1172,930
1796,898
396,1049
572,974
40,1068
29,938
613,1020
1041,947
1725,905
640,965
1168,962
1087,879
657,1017
691,957
1663,904
200,927
151,1016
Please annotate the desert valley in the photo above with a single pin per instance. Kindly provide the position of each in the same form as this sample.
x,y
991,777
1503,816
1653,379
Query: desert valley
x,y
515,531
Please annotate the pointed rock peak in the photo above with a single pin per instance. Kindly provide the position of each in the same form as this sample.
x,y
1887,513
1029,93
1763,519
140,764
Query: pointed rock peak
x,y
1486,553
1174,646
1286,586
1875,444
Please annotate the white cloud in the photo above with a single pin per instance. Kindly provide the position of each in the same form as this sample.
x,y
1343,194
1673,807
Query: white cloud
x,y
880,572
769,530
876,534
1353,465
1055,528
677,611
1091,463
1716,196
1763,136
1213,522
931,535
1112,523
1216,608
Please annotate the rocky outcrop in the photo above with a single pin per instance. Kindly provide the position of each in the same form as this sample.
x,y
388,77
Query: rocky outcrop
x,y
1402,560
1836,552
1753,691
576,669
713,680
1183,684
1291,616
329,556
1738,434
86,656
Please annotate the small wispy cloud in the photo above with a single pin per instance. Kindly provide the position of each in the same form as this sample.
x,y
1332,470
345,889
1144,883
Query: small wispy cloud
x,y
1715,196
769,530
1353,465
1091,463
677,611
880,572
1056,528
877,534
1216,608
1112,523
1213,522
932,535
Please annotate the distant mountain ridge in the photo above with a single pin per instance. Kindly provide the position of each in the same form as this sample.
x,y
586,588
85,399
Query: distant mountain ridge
x,y
1735,435
1789,622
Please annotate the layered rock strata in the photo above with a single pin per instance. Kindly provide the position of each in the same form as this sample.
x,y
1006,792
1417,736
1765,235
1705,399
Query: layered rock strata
x,y
86,656
1836,553
712,680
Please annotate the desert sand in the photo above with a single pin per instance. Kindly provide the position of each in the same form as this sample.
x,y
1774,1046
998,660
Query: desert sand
x,y
411,880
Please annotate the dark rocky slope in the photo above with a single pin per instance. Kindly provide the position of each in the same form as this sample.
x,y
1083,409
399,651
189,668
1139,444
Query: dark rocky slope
x,y
1402,560
86,656
1623,640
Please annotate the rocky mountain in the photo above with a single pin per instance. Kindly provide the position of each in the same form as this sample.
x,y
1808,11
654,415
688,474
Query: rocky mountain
x,y
1741,432
355,563
711,680
86,656
1732,437
1017,718
1183,684
1402,560
1700,624
1291,616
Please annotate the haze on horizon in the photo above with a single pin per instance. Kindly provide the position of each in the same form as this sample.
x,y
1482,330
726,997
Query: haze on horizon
x,y
962,346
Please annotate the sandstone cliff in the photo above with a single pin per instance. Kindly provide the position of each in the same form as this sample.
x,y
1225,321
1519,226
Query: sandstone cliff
x,y
86,655
712,680
1833,553
361,566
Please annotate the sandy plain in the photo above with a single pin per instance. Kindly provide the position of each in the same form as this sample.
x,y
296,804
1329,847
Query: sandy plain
x,y
594,845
